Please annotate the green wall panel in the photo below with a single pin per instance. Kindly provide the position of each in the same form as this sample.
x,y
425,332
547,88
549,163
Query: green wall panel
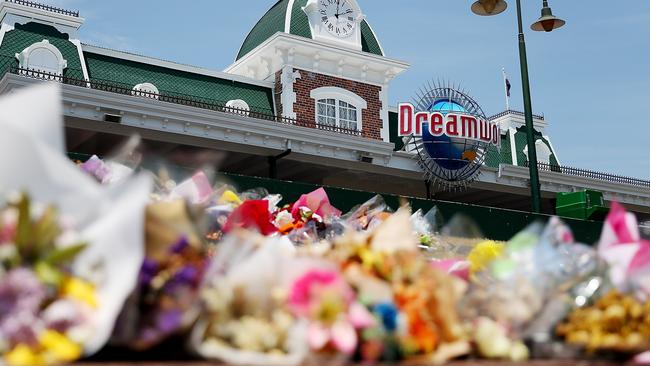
x,y
113,70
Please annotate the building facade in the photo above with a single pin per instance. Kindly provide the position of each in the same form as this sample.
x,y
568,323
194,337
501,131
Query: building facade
x,y
310,83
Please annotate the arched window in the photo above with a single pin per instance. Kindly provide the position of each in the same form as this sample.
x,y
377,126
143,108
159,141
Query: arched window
x,y
336,107
42,56
146,90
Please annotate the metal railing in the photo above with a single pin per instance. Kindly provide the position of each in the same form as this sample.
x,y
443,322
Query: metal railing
x,y
516,113
181,99
45,7
592,174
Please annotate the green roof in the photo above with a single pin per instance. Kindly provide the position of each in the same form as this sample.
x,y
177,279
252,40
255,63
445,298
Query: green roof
x,y
275,21
23,36
171,82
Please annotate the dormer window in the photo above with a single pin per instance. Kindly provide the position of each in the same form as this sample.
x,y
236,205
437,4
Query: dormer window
x,y
336,107
238,106
146,90
42,57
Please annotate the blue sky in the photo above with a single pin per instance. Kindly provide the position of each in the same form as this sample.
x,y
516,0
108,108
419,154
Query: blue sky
x,y
589,79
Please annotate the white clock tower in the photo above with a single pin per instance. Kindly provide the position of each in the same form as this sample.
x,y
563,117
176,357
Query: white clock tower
x,y
329,69
336,21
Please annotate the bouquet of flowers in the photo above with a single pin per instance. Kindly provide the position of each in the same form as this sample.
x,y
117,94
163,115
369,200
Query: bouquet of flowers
x,y
246,318
46,310
69,260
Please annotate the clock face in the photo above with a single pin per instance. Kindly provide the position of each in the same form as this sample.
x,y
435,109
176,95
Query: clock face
x,y
337,16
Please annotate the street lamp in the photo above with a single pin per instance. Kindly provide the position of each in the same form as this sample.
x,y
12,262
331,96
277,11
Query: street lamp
x,y
547,22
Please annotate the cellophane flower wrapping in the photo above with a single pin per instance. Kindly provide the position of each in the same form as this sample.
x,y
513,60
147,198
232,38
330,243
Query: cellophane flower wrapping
x,y
533,284
246,319
52,274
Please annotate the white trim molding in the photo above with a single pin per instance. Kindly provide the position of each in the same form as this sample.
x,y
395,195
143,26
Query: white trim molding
x,y
12,13
47,51
288,96
302,53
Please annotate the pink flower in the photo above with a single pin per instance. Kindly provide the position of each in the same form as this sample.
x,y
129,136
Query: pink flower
x,y
327,301
626,253
308,291
318,202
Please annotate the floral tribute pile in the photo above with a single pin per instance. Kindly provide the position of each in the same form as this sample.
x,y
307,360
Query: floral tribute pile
x,y
250,280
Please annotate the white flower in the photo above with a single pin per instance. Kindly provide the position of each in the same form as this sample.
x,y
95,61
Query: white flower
x,y
283,218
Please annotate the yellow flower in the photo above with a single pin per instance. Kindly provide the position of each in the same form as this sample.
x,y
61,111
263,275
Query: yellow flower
x,y
230,197
483,254
22,355
59,347
80,290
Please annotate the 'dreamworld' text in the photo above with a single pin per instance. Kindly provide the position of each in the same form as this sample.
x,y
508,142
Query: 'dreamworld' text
x,y
456,125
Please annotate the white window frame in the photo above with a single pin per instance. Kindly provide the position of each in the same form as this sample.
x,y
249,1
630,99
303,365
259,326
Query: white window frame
x,y
339,95
24,57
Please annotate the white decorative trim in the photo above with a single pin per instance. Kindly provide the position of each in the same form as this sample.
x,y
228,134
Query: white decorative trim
x,y
287,17
383,114
553,149
82,59
242,107
288,97
24,57
4,28
330,92
13,13
174,66
513,146
302,53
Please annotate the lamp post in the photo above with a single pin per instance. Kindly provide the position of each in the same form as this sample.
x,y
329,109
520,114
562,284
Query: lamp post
x,y
547,22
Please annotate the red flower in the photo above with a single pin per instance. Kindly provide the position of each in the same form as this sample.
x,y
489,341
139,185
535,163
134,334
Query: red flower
x,y
254,215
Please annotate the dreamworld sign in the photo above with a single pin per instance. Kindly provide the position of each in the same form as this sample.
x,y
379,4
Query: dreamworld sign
x,y
453,125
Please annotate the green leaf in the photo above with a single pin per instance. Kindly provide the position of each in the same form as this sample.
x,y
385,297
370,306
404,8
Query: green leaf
x,y
23,227
48,274
65,255
46,230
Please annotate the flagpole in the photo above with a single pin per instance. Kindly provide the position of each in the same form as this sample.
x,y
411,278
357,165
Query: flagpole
x,y
505,86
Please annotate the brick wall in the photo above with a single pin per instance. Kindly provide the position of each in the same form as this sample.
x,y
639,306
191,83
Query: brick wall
x,y
305,107
278,93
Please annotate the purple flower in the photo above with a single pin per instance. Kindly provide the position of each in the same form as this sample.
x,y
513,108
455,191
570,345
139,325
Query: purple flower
x,y
20,290
180,245
21,327
169,321
148,271
187,274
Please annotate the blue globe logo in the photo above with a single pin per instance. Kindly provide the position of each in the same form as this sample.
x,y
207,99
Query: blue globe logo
x,y
449,153
448,162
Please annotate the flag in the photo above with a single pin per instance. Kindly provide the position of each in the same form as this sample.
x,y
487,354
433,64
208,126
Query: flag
x,y
508,86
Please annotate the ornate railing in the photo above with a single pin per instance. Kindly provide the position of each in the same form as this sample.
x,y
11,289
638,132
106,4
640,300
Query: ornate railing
x,y
181,99
516,113
592,174
45,7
